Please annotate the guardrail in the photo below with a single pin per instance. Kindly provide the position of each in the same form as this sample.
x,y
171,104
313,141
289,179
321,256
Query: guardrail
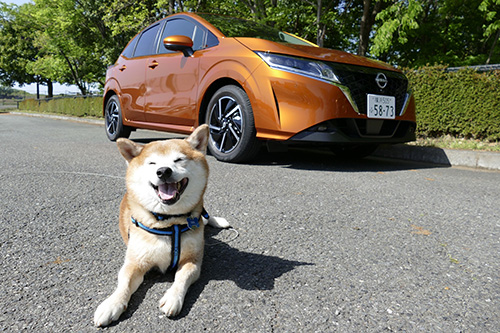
x,y
12,101
478,68
39,100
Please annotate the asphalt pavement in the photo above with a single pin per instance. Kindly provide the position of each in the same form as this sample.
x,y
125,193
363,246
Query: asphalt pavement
x,y
318,245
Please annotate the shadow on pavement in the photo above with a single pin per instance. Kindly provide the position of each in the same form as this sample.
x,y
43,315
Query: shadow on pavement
x,y
221,262
324,160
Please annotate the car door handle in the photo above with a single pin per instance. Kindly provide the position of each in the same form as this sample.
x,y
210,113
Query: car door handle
x,y
121,69
153,65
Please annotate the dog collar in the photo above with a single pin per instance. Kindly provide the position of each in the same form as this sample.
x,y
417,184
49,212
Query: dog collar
x,y
175,231
191,221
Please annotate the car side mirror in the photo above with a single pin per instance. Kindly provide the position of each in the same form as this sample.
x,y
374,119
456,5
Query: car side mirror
x,y
179,43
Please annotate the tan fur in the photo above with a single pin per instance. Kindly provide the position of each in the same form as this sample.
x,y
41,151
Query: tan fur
x,y
186,158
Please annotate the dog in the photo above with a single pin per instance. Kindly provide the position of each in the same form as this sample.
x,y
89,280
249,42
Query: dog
x,y
161,219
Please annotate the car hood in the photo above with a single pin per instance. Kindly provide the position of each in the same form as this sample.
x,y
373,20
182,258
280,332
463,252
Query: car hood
x,y
313,52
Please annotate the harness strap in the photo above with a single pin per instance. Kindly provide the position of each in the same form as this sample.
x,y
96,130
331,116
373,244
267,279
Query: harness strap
x,y
175,231
176,247
161,232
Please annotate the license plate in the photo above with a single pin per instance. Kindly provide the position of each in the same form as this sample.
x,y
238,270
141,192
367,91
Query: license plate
x,y
381,107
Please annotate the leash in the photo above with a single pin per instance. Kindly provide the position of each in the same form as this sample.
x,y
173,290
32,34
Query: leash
x,y
175,231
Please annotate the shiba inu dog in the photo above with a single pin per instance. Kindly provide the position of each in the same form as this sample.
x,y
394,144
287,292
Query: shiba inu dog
x,y
161,219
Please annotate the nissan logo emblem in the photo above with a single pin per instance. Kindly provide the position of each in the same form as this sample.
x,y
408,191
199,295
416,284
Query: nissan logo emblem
x,y
381,80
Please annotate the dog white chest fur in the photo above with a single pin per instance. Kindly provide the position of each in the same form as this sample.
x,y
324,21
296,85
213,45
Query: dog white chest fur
x,y
168,178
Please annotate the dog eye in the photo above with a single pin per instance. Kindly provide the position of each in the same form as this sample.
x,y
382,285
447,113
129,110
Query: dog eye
x,y
152,163
179,159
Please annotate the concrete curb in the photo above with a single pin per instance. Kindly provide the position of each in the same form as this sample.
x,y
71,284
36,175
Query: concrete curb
x,y
95,121
448,157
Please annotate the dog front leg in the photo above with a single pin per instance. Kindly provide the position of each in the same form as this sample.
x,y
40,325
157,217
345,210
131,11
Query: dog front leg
x,y
187,273
129,279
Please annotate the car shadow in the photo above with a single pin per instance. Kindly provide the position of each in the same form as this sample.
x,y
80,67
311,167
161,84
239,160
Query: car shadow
x,y
221,262
322,159
148,140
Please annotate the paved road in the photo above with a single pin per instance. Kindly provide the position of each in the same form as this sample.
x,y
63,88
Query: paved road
x,y
323,245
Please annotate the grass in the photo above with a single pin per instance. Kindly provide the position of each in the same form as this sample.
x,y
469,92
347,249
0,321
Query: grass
x,y
449,142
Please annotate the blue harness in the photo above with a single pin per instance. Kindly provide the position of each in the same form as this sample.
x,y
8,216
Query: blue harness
x,y
175,231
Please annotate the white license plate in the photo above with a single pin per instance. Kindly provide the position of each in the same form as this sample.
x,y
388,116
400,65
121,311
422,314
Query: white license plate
x,y
381,107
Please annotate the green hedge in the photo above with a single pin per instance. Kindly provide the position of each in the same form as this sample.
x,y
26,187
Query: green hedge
x,y
75,106
464,104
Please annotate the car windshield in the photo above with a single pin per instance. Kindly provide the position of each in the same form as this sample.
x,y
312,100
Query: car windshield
x,y
235,27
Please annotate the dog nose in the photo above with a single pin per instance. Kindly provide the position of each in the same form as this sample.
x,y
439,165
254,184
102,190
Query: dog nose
x,y
164,173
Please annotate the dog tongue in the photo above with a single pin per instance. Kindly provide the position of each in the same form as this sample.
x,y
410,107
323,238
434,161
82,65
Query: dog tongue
x,y
167,191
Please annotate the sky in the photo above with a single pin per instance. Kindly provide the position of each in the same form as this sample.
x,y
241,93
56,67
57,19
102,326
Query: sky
x,y
17,2
31,88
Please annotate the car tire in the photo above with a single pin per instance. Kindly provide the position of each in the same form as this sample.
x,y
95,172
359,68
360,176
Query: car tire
x,y
232,129
113,119
353,152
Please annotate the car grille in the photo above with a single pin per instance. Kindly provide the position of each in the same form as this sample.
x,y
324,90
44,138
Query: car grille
x,y
373,128
360,81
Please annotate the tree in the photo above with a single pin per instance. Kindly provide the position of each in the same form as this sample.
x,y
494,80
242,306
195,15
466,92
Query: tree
x,y
72,42
419,32
16,47
491,8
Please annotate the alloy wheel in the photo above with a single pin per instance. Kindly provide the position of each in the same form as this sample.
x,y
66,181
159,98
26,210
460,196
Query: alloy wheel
x,y
112,118
226,124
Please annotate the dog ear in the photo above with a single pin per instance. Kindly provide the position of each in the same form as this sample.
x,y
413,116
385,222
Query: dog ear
x,y
128,148
199,138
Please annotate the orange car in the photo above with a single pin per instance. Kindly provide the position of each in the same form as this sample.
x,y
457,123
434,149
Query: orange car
x,y
253,84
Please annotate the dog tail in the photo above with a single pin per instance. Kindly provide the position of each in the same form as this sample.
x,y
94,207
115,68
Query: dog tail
x,y
216,222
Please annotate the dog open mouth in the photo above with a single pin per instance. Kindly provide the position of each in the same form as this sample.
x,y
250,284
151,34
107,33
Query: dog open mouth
x,y
170,193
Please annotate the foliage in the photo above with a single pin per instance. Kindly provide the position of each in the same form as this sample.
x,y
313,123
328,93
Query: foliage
x,y
491,8
71,40
16,49
461,104
7,92
398,20
414,33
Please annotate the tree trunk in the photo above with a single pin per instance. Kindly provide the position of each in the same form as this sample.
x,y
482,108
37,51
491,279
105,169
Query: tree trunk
x,y
171,7
50,89
319,33
367,22
363,31
37,88
493,47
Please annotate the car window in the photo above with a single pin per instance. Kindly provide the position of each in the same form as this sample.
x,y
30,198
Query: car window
x,y
211,40
234,27
184,28
128,52
146,43
198,36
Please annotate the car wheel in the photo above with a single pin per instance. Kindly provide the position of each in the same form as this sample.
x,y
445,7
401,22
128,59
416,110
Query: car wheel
x,y
114,120
232,130
353,151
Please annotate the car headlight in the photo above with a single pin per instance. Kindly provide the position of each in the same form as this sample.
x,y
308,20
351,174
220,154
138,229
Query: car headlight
x,y
307,67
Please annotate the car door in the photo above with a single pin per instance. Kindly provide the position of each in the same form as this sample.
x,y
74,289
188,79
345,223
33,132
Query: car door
x,y
131,72
172,79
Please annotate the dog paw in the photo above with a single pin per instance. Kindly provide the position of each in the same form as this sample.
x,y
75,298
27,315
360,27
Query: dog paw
x,y
109,311
171,305
217,222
